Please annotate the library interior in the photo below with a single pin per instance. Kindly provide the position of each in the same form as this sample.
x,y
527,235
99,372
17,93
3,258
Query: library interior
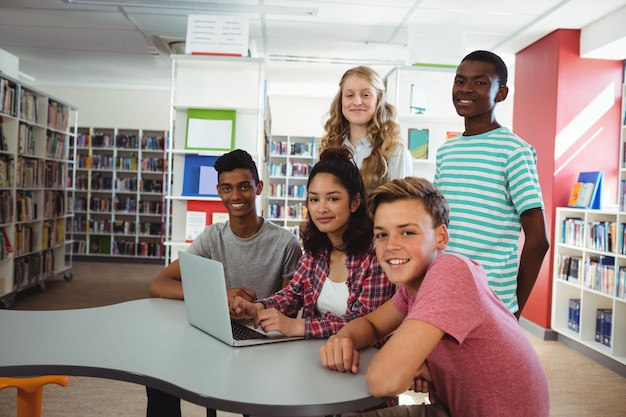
x,y
113,114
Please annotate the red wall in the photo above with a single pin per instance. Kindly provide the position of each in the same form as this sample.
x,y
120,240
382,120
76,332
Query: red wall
x,y
553,87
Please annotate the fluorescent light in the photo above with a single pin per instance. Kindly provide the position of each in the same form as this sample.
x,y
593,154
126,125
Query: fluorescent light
x,y
202,6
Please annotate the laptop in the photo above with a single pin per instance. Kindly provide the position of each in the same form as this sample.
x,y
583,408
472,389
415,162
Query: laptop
x,y
206,304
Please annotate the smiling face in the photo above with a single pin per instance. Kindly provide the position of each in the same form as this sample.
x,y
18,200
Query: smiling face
x,y
406,241
358,100
329,206
476,91
238,191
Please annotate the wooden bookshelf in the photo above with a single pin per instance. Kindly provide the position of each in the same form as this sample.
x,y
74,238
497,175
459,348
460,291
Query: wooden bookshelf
x,y
119,194
35,133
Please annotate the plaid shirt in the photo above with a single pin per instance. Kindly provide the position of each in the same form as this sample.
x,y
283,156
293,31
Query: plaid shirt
x,y
368,288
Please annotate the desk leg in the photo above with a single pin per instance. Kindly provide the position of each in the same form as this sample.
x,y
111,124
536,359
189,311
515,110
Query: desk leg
x,y
210,412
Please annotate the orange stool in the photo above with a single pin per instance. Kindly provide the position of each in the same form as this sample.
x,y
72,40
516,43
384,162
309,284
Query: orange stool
x,y
30,390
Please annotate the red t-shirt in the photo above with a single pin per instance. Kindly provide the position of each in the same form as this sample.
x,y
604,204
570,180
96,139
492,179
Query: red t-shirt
x,y
485,364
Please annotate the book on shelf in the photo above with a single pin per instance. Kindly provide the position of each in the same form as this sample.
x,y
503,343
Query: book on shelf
x,y
604,318
5,245
575,194
586,191
573,321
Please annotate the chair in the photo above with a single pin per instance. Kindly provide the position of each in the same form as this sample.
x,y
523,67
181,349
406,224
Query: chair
x,y
30,390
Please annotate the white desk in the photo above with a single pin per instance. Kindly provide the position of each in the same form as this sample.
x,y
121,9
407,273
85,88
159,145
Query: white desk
x,y
150,342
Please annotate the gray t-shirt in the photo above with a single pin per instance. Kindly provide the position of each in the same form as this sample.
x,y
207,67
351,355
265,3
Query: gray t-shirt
x,y
259,262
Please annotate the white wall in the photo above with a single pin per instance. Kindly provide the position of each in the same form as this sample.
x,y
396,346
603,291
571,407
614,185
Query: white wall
x,y
299,116
110,108
149,109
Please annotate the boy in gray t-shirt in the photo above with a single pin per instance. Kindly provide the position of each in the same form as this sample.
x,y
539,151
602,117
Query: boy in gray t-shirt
x,y
258,256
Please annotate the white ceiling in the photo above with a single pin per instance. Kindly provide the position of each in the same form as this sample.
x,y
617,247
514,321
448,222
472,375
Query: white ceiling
x,y
73,44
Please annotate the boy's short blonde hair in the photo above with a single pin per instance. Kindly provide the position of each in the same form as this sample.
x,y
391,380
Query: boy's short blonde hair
x,y
412,188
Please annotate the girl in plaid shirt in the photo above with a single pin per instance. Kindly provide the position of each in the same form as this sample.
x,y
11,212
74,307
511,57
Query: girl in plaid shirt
x,y
338,278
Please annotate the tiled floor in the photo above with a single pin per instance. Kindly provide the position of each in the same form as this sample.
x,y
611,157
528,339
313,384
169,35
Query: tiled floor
x,y
579,386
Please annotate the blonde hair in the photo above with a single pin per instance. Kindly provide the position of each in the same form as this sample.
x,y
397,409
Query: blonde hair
x,y
382,131
412,188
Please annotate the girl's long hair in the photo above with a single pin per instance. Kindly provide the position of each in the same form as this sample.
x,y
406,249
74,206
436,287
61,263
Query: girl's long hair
x,y
383,131
359,233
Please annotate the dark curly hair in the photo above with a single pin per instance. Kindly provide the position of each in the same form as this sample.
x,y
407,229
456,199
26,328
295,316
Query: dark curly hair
x,y
358,235
236,159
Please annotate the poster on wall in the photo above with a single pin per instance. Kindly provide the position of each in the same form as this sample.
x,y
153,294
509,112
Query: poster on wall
x,y
418,143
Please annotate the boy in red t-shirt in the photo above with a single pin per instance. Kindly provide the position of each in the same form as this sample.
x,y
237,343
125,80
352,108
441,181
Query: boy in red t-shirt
x,y
449,328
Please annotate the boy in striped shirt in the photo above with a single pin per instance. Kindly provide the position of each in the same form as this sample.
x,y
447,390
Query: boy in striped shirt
x,y
489,177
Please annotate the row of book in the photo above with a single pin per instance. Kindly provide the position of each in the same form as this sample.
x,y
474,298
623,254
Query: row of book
x,y
4,146
601,235
58,115
600,274
293,149
53,204
292,191
6,171
54,174
31,269
6,207
29,172
5,245
569,268
293,211
52,233
290,170
8,97
55,145
102,140
26,139
25,206
106,247
28,106
581,194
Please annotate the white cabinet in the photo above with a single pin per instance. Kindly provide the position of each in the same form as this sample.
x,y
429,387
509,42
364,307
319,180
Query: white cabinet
x,y
35,133
202,83
423,96
290,161
588,279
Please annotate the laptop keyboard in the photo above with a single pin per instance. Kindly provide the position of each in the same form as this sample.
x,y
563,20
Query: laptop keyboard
x,y
241,332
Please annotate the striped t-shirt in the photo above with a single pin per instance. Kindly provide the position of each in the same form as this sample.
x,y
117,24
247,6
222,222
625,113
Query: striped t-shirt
x,y
489,180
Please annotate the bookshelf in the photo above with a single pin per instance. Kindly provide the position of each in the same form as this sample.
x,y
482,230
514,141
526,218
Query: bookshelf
x,y
589,276
590,272
118,193
425,111
290,161
216,90
35,131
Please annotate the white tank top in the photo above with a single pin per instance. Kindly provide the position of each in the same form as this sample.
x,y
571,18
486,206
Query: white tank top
x,y
333,298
